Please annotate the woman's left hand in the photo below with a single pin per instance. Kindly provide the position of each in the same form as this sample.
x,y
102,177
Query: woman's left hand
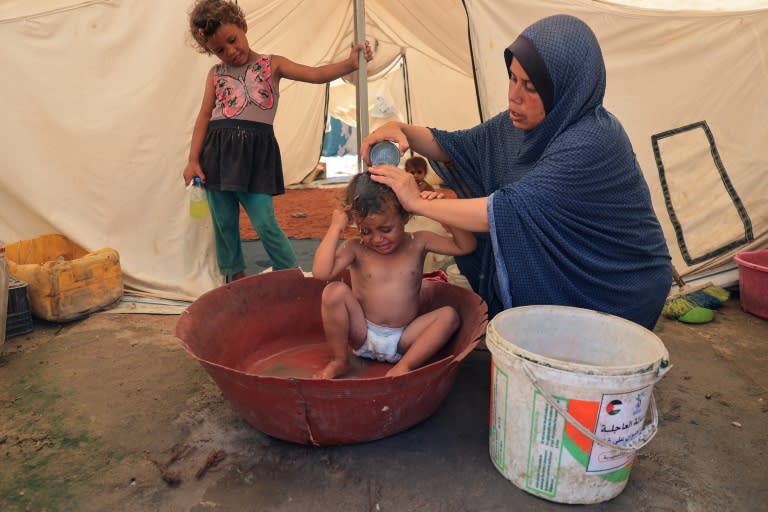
x,y
401,182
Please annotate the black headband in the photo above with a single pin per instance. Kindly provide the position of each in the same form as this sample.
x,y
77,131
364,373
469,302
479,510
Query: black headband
x,y
528,56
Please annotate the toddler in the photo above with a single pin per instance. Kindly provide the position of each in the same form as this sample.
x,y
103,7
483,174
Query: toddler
x,y
378,315
417,166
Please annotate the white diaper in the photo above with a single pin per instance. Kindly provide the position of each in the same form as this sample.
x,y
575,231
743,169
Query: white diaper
x,y
381,343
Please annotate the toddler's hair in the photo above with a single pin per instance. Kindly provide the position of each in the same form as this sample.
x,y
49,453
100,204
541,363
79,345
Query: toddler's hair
x,y
206,16
364,197
416,162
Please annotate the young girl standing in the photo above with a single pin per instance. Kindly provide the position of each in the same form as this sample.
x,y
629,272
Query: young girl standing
x,y
233,148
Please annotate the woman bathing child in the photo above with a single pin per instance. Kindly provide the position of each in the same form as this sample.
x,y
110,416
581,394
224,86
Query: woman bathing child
x,y
378,315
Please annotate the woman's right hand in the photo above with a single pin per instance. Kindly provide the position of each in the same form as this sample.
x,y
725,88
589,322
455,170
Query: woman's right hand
x,y
191,170
401,182
391,131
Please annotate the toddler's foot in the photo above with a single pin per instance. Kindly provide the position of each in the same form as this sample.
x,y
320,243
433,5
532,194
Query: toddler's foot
x,y
332,370
397,370
237,275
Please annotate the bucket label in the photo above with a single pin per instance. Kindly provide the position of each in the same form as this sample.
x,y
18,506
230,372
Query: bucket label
x,y
498,421
616,417
621,418
545,446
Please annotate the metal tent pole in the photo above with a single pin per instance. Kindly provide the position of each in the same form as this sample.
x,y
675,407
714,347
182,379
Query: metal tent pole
x,y
362,81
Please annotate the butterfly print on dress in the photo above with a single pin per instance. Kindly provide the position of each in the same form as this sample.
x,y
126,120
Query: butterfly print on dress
x,y
234,94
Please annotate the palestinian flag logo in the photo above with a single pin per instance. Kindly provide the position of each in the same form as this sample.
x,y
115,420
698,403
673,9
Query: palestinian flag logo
x,y
614,407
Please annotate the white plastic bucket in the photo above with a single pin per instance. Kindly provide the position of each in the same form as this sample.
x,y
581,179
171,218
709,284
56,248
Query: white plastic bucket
x,y
570,391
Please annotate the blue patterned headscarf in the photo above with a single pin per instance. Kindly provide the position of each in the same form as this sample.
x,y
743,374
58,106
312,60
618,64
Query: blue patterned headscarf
x,y
570,214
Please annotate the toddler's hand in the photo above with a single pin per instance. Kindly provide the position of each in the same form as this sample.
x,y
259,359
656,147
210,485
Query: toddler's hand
x,y
339,220
431,194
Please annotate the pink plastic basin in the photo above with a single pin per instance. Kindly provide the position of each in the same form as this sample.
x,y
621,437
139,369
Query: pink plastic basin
x,y
753,282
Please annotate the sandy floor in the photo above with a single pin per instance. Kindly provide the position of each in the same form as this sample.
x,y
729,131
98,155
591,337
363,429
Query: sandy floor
x,y
304,213
110,413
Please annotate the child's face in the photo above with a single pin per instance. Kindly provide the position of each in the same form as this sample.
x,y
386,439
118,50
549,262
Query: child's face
x,y
230,45
418,173
382,232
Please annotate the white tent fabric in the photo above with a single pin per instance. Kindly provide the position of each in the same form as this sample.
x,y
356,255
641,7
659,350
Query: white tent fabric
x,y
101,97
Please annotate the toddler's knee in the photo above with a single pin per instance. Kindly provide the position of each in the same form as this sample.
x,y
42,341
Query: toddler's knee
x,y
451,317
335,292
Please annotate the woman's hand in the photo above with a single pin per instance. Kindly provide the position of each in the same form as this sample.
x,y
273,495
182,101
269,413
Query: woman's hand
x,y
401,182
466,214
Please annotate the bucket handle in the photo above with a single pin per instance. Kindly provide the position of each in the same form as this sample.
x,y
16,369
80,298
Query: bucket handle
x,y
643,437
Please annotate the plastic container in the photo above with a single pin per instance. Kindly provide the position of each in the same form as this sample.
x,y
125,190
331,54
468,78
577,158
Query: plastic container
x,y
65,281
385,153
198,202
19,319
753,282
570,390
3,294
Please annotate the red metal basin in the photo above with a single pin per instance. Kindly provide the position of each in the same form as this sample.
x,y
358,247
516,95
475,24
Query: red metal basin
x,y
261,338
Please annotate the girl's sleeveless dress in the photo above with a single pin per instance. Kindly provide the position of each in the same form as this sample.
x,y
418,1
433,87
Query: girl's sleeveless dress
x,y
240,152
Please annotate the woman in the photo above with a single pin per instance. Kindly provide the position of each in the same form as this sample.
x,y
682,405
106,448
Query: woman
x,y
554,183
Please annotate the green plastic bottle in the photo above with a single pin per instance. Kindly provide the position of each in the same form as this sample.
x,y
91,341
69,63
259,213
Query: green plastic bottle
x,y
198,204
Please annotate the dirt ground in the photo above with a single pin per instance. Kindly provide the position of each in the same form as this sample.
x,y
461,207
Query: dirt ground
x,y
109,413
